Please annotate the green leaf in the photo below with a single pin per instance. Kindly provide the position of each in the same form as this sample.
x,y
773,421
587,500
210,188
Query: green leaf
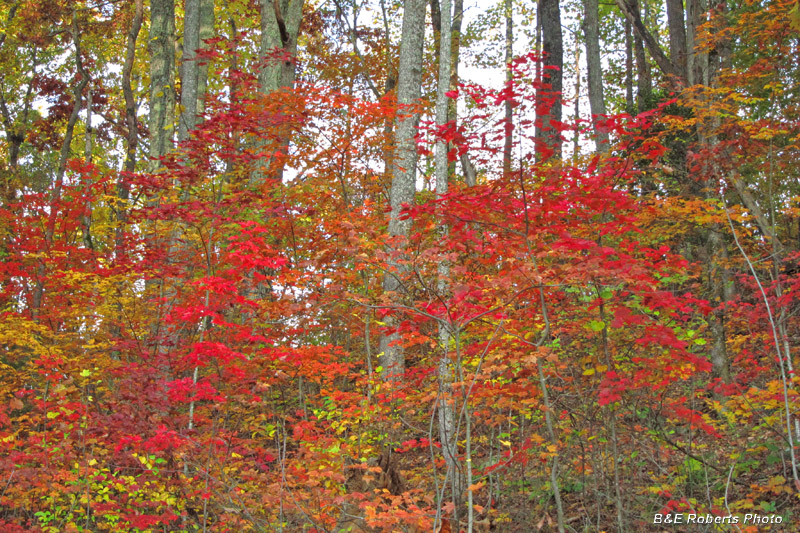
x,y
597,325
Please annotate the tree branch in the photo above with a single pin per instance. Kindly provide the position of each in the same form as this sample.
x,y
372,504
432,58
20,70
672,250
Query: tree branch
x,y
664,63
281,24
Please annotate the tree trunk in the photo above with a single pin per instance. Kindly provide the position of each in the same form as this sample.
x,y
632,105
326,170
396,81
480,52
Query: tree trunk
x,y
677,35
409,85
455,55
86,217
206,32
644,79
549,97
447,411
132,140
509,109
666,65
189,69
131,144
55,195
697,67
629,107
162,83
280,26
597,103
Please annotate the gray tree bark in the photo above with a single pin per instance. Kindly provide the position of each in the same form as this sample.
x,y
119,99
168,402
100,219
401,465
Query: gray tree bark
x,y
409,86
452,112
508,142
552,74
131,123
447,407
644,78
162,82
677,35
664,63
189,69
629,107
280,26
206,32
697,67
597,103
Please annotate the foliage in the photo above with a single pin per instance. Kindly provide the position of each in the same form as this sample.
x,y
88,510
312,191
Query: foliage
x,y
210,361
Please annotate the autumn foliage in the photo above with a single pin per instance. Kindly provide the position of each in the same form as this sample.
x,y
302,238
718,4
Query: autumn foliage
x,y
209,362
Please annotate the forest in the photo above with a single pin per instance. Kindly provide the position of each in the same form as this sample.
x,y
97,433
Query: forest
x,y
399,265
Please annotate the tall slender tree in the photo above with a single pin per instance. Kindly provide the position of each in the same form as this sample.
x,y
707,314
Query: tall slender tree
x,y
508,106
161,43
280,27
597,103
447,406
677,35
404,171
189,69
549,98
206,32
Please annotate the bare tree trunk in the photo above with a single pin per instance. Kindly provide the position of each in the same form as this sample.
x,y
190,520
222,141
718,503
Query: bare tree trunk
x,y
548,131
409,84
644,79
508,11
189,69
597,103
206,32
280,26
697,67
629,107
162,82
666,65
132,141
86,218
455,55
677,35
131,144
447,407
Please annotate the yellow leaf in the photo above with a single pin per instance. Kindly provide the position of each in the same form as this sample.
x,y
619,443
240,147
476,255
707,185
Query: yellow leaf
x,y
476,486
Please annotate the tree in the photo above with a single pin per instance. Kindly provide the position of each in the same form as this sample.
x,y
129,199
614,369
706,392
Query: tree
x,y
404,171
162,78
280,26
549,106
190,69
597,103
